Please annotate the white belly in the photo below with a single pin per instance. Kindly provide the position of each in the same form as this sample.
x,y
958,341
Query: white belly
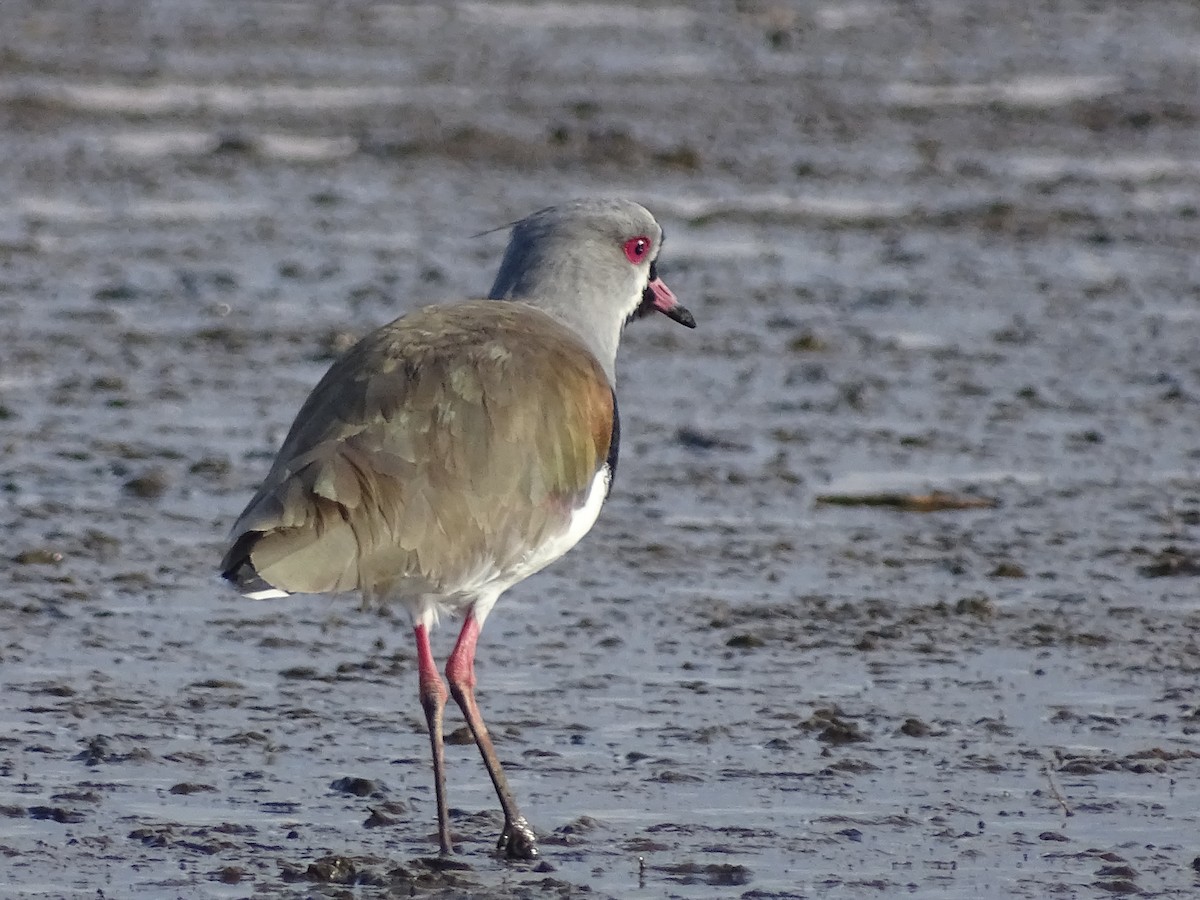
x,y
481,591
580,523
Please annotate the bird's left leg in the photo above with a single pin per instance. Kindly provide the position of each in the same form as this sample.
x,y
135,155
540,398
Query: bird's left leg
x,y
517,841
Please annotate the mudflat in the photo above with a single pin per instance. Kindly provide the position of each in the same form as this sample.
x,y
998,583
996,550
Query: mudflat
x,y
896,593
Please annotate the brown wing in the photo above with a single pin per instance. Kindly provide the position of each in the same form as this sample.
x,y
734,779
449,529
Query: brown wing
x,y
439,448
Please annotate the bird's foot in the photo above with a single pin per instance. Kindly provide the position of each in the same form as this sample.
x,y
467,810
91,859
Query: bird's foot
x,y
517,840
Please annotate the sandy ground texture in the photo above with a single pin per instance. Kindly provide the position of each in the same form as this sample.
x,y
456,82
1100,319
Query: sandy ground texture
x,y
896,593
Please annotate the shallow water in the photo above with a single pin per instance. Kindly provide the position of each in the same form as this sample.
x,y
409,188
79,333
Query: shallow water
x,y
930,248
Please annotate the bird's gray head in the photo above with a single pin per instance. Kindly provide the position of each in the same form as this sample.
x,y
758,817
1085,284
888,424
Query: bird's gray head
x,y
591,264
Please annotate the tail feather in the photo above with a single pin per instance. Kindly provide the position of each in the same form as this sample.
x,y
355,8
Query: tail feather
x,y
238,569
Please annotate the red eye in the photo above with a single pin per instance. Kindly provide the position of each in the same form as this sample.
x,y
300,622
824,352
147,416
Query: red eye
x,y
636,249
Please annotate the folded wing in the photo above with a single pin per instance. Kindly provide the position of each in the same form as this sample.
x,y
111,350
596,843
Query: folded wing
x,y
431,457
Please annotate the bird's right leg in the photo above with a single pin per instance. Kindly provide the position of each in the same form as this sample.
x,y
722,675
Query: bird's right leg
x,y
433,701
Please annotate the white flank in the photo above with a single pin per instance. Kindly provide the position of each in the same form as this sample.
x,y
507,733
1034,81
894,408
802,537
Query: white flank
x,y
538,558
581,523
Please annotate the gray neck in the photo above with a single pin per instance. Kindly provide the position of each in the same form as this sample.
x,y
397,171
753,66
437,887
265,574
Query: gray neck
x,y
593,302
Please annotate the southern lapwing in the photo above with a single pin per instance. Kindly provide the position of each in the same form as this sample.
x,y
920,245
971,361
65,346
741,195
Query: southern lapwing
x,y
461,448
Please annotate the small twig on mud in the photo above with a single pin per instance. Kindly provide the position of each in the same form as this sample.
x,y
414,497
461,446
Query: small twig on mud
x,y
1055,792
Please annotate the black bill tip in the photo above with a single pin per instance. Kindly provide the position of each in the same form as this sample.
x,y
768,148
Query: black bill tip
x,y
681,314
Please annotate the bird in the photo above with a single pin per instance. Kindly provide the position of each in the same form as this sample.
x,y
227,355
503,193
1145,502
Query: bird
x,y
454,452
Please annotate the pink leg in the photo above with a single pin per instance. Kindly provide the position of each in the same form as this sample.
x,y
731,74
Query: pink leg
x,y
433,701
517,840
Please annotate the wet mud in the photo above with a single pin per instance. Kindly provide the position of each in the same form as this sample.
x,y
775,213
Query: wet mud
x,y
896,593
